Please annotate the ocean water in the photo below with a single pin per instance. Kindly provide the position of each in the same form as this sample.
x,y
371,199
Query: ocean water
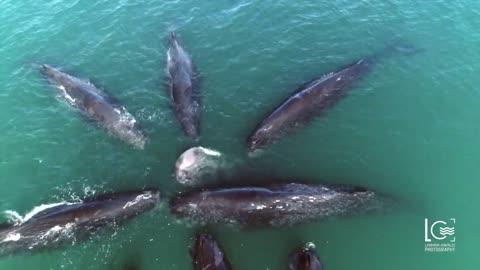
x,y
408,129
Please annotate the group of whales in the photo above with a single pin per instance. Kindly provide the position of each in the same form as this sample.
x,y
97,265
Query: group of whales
x,y
207,254
276,204
308,101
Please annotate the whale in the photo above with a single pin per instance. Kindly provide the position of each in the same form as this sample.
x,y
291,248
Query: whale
x,y
183,88
313,98
195,164
305,258
207,255
97,106
56,225
273,205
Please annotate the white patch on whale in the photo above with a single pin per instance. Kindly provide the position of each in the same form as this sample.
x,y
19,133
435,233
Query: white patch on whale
x,y
66,95
137,199
57,229
260,207
12,237
125,128
169,56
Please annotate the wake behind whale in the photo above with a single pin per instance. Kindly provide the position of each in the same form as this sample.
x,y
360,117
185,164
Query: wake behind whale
x,y
51,226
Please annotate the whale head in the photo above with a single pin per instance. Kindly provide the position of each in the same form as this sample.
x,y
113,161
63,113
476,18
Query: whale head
x,y
51,73
305,259
206,253
258,139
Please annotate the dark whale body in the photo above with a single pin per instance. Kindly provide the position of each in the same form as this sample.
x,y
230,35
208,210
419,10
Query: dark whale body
x,y
313,98
273,205
183,86
305,259
67,222
207,254
97,106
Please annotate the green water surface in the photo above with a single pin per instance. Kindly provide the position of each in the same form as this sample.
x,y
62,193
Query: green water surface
x,y
409,129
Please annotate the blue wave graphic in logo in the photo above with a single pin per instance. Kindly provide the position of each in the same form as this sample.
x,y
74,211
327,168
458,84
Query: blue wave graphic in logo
x,y
447,230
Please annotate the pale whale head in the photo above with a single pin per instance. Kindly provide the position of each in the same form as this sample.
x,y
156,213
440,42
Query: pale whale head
x,y
195,162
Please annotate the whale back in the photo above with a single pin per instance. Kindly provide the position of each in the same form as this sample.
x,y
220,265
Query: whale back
x,y
273,205
184,88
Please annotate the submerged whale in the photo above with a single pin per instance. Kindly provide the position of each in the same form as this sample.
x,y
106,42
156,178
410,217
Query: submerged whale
x,y
183,86
273,205
305,259
97,105
207,254
314,97
65,223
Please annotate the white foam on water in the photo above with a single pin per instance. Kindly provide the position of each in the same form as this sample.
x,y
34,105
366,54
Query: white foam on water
x,y
210,152
17,219
40,208
309,245
14,217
